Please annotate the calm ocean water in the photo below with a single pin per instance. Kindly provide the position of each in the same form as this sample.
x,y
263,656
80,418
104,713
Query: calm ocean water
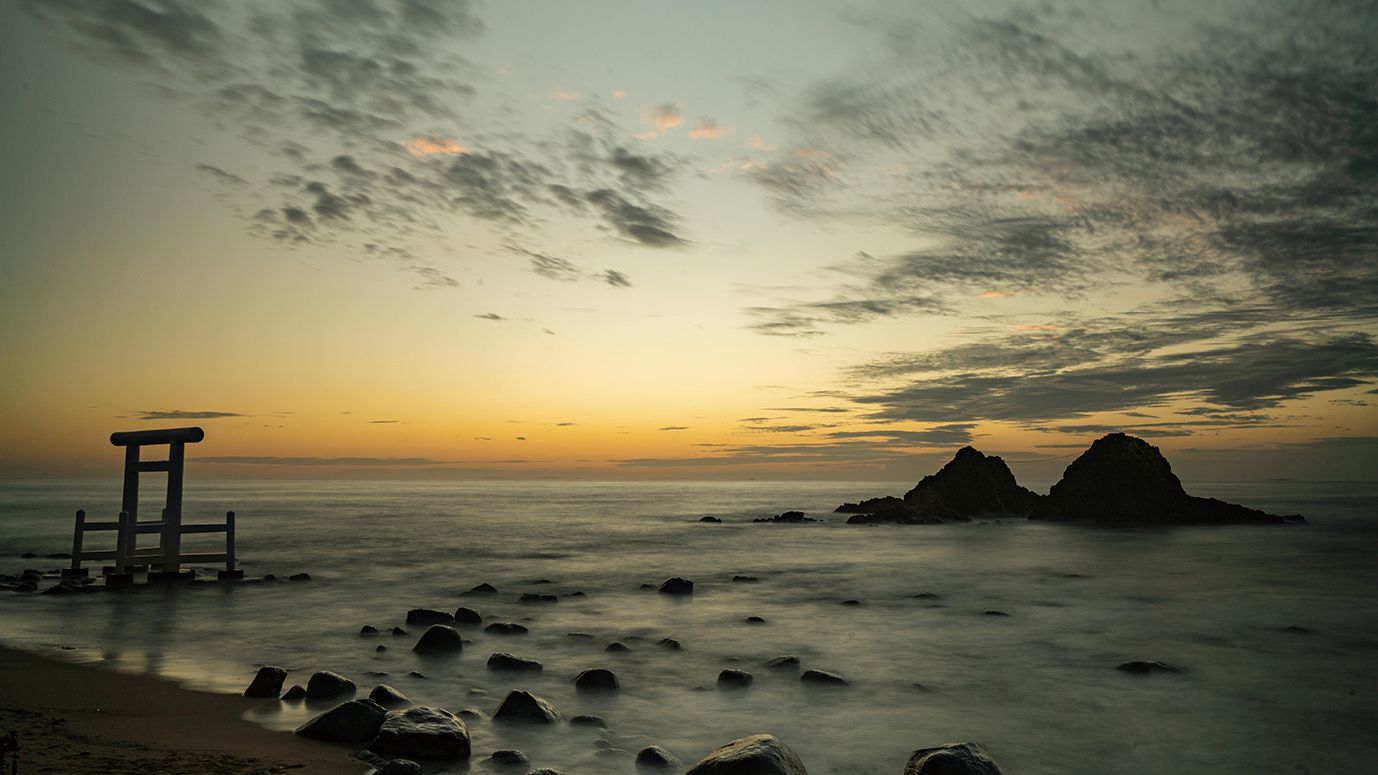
x,y
1037,687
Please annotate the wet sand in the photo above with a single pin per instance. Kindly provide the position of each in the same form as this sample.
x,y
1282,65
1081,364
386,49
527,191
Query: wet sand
x,y
72,718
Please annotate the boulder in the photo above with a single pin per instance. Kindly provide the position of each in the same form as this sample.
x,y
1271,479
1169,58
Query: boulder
x,y
734,678
483,589
596,679
356,721
368,629
822,678
754,620
509,757
532,597
439,639
506,628
398,631
952,759
753,755
467,616
589,721
789,518
526,707
677,586
388,697
710,519
617,646
297,692
299,577
425,616
1124,480
505,661
744,579
423,733
398,767
267,682
1144,668
656,758
325,685
669,643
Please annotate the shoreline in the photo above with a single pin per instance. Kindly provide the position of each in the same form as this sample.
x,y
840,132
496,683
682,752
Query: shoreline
x,y
70,717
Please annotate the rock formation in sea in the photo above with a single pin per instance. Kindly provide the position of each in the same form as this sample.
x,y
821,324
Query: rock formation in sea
x,y
1124,480
756,754
952,759
970,485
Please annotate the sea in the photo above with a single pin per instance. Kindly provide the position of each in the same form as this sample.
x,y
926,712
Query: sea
x,y
1274,629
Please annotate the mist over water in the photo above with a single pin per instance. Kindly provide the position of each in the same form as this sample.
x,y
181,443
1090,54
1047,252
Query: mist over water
x,y
1038,687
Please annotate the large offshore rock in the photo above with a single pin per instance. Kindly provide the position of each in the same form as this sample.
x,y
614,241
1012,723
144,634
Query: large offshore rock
x,y
970,485
527,707
1124,480
423,733
267,682
753,755
356,721
952,759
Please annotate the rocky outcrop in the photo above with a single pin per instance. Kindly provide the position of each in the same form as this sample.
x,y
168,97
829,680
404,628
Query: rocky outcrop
x,y
677,586
1124,480
267,682
325,685
753,755
970,485
356,721
952,759
423,733
526,707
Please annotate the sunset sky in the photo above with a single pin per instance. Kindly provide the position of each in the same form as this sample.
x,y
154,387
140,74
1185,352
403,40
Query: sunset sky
x,y
420,238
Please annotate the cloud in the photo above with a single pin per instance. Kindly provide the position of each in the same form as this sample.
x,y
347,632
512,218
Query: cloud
x,y
490,316
384,422
183,414
674,428
709,129
940,435
661,118
554,268
221,176
430,146
565,96
645,224
320,461
616,279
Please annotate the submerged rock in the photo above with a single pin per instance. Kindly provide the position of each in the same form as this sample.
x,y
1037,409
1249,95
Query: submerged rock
x,y
669,643
368,629
439,639
356,721
423,616
617,646
325,685
589,721
506,628
952,759
532,597
267,682
509,757
423,733
822,678
677,586
789,517
505,661
787,661
753,755
483,589
711,519
526,707
754,620
596,679
656,758
744,579
731,678
1124,480
1144,668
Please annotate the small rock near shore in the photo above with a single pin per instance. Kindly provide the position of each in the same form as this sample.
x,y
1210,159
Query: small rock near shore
x,y
952,759
526,707
677,586
267,682
398,767
422,616
356,721
423,733
656,758
506,628
509,757
325,685
483,589
596,679
502,660
297,692
752,755
388,697
734,678
1144,668
822,678
467,616
439,639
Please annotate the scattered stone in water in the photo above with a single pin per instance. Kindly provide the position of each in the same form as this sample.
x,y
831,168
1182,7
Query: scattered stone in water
x,y
677,586
952,759
786,661
473,714
612,753
756,754
851,602
1296,630
617,645
398,631
531,597
994,613
745,579
576,593
505,661
655,757
918,687
377,673
822,678
669,643
439,639
789,517
927,596
325,685
368,629
579,635
356,721
596,679
506,628
267,682
297,692
388,697
509,757
526,707
483,589
1144,668
428,616
734,678
467,616
418,674
544,771
28,555
755,620
299,577
399,767
423,733
710,518
380,648
648,586
540,581
589,721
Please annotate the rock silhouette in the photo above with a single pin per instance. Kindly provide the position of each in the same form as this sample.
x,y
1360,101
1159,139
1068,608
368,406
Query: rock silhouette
x,y
755,754
970,485
952,759
1124,480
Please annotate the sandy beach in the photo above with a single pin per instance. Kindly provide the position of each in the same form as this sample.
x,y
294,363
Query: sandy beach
x,y
73,718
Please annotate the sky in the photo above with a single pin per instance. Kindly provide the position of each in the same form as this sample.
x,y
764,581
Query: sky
x,y
723,240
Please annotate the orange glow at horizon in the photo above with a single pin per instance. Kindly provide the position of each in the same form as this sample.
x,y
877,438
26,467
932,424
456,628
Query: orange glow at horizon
x,y
426,146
